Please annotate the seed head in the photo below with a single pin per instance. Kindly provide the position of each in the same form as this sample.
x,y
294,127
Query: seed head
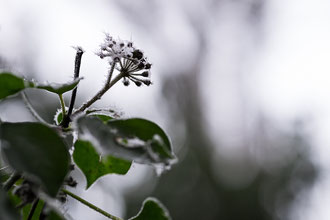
x,y
128,60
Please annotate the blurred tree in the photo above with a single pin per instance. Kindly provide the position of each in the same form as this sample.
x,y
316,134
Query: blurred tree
x,y
193,189
268,177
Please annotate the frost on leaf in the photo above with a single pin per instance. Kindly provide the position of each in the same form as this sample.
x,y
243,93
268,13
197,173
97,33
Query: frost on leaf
x,y
58,88
11,84
134,139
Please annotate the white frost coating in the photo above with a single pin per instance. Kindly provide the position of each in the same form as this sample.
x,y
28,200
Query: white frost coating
x,y
75,135
57,86
158,139
160,168
154,156
155,139
116,48
86,135
58,112
106,112
130,142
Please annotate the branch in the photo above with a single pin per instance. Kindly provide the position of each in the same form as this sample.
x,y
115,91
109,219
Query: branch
x,y
33,208
77,63
62,105
90,205
105,88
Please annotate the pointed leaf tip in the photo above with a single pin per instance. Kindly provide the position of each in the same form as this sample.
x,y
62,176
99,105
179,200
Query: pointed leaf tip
x,y
11,84
152,209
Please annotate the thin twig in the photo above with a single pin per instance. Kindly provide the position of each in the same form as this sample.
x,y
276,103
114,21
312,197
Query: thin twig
x,y
62,105
31,109
77,64
33,208
11,181
90,205
105,88
43,214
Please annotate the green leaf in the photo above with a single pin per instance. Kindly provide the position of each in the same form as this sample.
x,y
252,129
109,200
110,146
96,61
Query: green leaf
x,y
94,165
104,118
58,88
133,139
11,84
152,209
7,210
104,114
38,151
26,210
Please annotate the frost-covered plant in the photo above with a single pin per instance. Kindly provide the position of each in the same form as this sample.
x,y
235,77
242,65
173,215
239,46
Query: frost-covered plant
x,y
39,156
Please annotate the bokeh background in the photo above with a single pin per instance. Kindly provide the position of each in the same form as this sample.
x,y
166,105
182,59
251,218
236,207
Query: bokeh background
x,y
241,87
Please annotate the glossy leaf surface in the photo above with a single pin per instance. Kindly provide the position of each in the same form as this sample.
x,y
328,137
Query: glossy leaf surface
x,y
37,151
133,139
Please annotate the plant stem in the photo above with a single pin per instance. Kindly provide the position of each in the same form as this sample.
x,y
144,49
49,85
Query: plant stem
x,y
33,208
105,88
90,205
10,182
62,105
77,63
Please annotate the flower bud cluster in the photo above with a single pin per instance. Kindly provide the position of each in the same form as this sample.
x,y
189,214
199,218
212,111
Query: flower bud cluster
x,y
129,60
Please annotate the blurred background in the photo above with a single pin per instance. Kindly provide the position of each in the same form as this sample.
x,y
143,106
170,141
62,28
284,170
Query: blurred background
x,y
241,87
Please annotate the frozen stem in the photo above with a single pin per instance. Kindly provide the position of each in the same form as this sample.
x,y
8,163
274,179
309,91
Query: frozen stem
x,y
33,208
62,105
105,88
77,63
90,205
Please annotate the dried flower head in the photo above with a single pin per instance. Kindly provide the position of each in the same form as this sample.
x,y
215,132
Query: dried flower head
x,y
128,60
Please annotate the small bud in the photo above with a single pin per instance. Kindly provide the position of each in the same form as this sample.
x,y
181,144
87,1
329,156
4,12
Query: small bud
x,y
145,74
138,83
147,82
129,44
141,65
62,198
147,66
137,54
126,82
71,182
